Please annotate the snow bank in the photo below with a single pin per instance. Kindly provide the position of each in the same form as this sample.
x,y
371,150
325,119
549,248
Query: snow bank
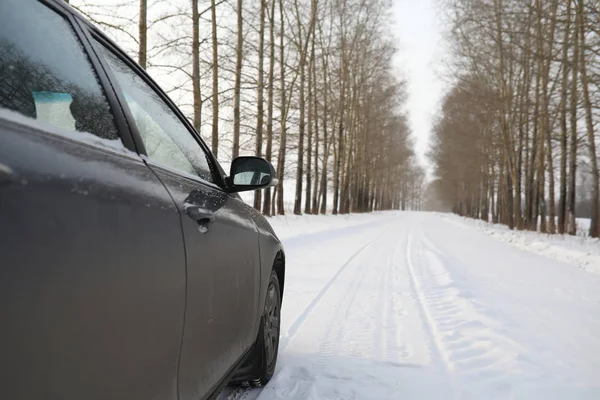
x,y
583,252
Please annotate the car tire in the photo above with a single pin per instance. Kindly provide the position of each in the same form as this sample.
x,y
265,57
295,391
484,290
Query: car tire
x,y
259,366
267,342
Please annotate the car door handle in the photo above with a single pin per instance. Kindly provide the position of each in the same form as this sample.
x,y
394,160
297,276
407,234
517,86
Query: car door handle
x,y
201,215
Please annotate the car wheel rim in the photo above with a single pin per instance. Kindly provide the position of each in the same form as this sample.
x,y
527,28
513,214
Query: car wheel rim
x,y
271,331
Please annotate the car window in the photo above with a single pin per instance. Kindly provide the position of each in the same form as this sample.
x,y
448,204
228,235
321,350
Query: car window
x,y
45,73
165,136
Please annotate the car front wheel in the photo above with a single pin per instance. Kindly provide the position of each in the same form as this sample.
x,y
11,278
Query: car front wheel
x,y
267,344
259,365
271,323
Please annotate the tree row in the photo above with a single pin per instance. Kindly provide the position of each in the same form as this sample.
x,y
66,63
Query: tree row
x,y
516,138
307,84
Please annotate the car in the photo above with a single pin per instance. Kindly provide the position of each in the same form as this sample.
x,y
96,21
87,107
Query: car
x,y
130,268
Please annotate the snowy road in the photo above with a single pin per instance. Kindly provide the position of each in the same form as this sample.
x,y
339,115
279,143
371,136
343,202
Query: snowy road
x,y
420,306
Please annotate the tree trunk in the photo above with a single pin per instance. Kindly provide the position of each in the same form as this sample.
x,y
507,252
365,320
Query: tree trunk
x,y
269,149
215,81
260,90
589,123
545,60
340,151
562,202
196,66
493,193
572,178
315,194
345,196
238,80
283,137
504,110
303,49
300,162
307,195
143,34
534,168
337,171
323,188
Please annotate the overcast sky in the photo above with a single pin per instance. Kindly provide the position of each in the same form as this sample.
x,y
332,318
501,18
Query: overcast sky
x,y
419,39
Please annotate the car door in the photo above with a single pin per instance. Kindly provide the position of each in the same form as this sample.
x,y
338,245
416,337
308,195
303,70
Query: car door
x,y
92,293
221,240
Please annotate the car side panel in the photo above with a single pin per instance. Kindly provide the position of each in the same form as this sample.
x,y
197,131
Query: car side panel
x,y
223,270
92,270
270,250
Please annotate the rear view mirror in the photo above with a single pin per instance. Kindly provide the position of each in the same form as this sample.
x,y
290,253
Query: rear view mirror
x,y
251,173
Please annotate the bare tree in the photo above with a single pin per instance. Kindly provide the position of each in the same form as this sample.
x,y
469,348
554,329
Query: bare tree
x,y
302,44
215,80
238,79
283,108
260,90
572,179
562,203
589,123
197,99
143,28
270,96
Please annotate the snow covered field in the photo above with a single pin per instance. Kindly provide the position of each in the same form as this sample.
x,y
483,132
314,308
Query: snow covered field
x,y
401,305
581,251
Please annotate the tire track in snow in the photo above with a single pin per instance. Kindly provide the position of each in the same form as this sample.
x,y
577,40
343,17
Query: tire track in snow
x,y
297,324
468,342
398,304
328,347
353,319
383,325
428,320
334,333
302,381
389,307
362,316
240,393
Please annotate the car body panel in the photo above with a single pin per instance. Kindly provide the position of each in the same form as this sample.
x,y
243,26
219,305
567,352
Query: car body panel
x,y
92,282
271,252
223,282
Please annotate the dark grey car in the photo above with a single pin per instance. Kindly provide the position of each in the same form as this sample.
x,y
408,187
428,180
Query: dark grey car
x,y
129,268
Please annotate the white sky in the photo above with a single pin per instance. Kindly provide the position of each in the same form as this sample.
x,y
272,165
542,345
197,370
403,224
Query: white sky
x,y
420,43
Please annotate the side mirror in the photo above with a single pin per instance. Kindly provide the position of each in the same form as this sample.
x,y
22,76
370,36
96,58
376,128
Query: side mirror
x,y
251,173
